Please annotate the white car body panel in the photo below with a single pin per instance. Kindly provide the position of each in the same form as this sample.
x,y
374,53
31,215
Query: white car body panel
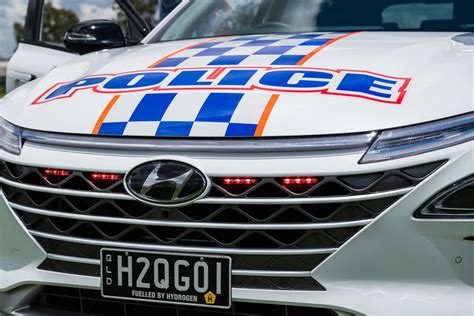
x,y
396,265
32,61
385,269
429,95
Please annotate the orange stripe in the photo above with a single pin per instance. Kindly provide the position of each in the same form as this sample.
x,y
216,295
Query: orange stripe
x,y
106,111
320,48
266,114
180,51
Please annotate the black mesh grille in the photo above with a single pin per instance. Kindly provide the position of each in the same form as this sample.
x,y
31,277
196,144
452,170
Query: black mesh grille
x,y
88,301
77,180
241,262
211,213
264,188
326,186
177,236
104,215
249,282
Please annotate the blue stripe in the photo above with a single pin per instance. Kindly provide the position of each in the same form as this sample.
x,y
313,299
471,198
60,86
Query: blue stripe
x,y
116,128
288,60
174,129
171,62
214,51
260,43
152,107
274,50
315,42
219,107
228,60
240,130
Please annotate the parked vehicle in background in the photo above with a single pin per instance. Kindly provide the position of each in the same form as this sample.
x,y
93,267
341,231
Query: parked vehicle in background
x,y
49,20
246,157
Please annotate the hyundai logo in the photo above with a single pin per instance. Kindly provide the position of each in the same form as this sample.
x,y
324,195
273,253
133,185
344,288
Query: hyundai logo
x,y
166,183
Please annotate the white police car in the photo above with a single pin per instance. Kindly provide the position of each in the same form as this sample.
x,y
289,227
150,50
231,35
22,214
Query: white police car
x,y
248,157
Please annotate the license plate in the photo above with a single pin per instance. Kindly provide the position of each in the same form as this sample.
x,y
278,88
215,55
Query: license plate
x,y
183,279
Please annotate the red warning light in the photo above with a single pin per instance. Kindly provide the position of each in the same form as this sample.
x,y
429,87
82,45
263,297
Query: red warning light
x,y
239,181
58,173
298,184
109,177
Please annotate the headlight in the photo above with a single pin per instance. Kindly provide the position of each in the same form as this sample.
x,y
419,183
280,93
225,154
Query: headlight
x,y
418,139
10,137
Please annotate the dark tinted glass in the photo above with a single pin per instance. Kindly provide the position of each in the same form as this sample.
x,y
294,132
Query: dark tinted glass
x,y
208,18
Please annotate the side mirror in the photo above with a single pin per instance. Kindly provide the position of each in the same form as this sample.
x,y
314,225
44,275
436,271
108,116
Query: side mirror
x,y
90,36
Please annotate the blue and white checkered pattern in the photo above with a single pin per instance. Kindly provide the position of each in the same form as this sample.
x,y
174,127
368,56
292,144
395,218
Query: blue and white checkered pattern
x,y
264,50
201,113
173,115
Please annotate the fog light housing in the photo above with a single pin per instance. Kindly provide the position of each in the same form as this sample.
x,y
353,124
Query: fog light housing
x,y
455,201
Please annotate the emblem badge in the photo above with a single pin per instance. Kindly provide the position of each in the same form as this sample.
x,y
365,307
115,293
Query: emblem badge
x,y
166,183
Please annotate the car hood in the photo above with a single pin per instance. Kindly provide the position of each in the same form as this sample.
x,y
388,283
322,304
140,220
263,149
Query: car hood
x,y
273,85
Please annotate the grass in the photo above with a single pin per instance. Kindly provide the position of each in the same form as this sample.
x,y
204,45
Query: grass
x,y
2,91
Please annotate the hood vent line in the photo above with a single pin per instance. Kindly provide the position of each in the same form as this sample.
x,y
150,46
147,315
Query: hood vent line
x,y
283,144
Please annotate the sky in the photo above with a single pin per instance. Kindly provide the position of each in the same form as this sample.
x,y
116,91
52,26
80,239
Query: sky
x,y
12,11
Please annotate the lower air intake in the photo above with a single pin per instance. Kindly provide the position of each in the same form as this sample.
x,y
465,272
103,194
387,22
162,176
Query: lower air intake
x,y
91,303
455,201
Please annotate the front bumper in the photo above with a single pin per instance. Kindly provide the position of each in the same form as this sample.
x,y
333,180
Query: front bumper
x,y
395,265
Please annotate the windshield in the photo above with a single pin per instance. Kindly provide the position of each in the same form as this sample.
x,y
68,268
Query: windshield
x,y
209,18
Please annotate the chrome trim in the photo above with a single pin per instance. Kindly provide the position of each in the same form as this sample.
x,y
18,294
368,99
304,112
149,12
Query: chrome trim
x,y
287,144
466,39
35,311
266,273
309,200
224,251
144,222
452,209
91,194
176,201
92,262
223,201
239,272
163,24
435,208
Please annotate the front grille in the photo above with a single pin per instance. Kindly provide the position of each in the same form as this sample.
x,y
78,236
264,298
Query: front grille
x,y
252,261
266,228
91,302
238,281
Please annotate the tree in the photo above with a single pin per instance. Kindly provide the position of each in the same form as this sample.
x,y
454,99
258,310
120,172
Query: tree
x,y
56,22
19,29
147,9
